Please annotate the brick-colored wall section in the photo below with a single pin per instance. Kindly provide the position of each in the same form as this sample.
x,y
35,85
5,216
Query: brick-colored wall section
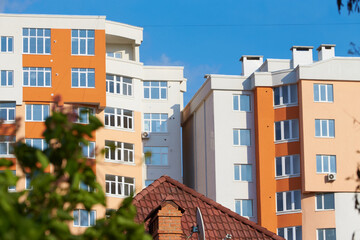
x,y
166,223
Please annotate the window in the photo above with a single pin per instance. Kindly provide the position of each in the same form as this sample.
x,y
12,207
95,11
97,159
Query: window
x,y
155,90
28,182
6,148
287,130
88,151
36,77
83,114
118,185
36,40
243,172
114,54
37,112
326,234
82,42
85,187
241,137
290,233
287,166
83,218
324,128
155,122
118,85
241,103
323,93
7,111
325,163
7,78
10,188
288,201
37,143
325,201
83,77
7,44
244,207
156,155
119,118
119,152
285,95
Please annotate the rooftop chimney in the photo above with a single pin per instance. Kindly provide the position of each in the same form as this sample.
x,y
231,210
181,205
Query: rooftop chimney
x,y
326,51
301,55
250,64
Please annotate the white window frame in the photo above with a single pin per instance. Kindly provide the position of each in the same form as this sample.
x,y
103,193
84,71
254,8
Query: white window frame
x,y
119,147
164,155
293,205
321,123
149,85
30,142
294,229
8,39
80,111
239,172
43,115
45,40
237,99
85,187
7,141
116,55
82,39
282,131
239,131
322,198
163,118
90,154
120,118
9,78
324,158
121,85
324,233
281,96
240,201
28,71
318,86
283,159
79,72
89,213
119,180
8,110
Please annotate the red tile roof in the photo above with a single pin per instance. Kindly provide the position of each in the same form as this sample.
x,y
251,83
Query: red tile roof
x,y
218,219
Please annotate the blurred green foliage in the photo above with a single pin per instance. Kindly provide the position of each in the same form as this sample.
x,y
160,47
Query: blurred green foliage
x,y
45,212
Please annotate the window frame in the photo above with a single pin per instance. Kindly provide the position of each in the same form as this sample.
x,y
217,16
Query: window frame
x,y
43,117
45,71
113,54
284,202
119,146
282,131
162,120
238,139
240,171
319,97
79,39
89,111
90,146
7,40
329,159
281,96
322,199
241,207
89,213
151,87
8,140
30,142
116,182
321,122
162,154
119,83
237,99
283,166
8,110
116,116
88,73
9,77
45,40
294,232
324,230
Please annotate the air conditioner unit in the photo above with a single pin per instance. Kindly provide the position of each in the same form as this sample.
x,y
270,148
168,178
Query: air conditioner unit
x,y
145,135
331,177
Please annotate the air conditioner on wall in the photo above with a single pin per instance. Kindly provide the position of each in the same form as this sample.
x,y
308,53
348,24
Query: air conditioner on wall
x,y
331,177
145,135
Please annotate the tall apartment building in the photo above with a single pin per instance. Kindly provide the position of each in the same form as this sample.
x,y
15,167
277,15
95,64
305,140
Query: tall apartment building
x,y
93,64
280,143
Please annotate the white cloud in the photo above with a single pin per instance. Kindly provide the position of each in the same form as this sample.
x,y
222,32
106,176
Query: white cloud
x,y
15,5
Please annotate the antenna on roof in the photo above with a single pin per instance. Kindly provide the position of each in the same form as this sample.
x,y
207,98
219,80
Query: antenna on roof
x,y
200,227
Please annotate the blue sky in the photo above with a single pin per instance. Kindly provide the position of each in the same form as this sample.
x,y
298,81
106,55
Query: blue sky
x,y
209,36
